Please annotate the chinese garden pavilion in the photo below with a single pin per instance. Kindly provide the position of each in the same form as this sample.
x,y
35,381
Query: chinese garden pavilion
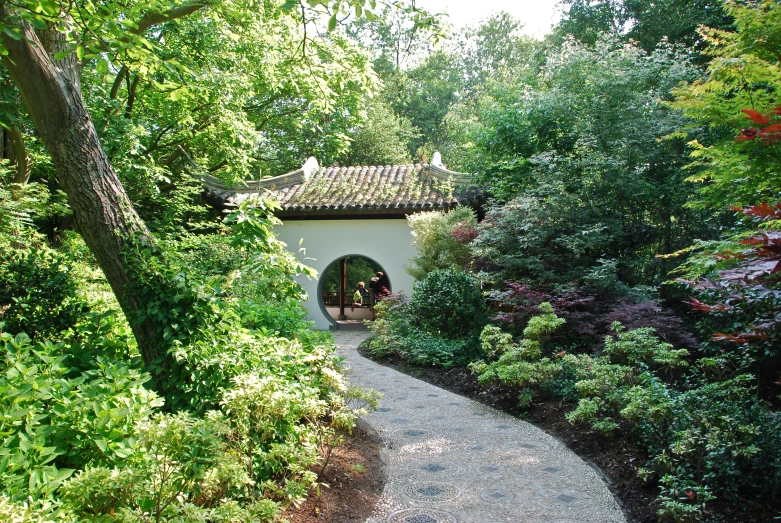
x,y
341,212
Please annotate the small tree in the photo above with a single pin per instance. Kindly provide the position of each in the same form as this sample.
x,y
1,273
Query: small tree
x,y
442,240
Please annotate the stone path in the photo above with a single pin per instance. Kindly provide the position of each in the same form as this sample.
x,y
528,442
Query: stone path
x,y
452,460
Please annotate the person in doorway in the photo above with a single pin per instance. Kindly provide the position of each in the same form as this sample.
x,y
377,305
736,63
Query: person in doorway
x,y
360,296
382,285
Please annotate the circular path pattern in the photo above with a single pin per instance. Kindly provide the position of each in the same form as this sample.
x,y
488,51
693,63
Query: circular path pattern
x,y
453,460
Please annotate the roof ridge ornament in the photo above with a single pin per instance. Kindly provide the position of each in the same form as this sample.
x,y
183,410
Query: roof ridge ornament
x,y
310,166
444,174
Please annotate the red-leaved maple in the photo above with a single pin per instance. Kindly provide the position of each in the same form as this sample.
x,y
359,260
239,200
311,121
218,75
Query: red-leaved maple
x,y
769,133
755,281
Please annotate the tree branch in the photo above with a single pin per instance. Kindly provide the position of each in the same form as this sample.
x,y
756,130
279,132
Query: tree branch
x,y
172,14
118,82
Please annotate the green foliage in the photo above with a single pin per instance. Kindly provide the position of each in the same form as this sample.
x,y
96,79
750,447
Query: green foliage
x,y
714,440
589,184
229,309
37,291
743,74
434,236
381,139
448,303
523,364
648,23
19,512
706,440
52,423
641,347
603,382
394,333
271,267
183,471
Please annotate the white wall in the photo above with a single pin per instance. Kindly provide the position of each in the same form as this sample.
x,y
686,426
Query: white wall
x,y
387,242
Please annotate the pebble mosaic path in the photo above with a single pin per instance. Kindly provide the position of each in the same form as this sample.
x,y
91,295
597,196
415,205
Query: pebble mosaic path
x,y
452,460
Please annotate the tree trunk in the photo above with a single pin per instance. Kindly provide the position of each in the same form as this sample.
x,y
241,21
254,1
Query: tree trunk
x,y
16,153
102,210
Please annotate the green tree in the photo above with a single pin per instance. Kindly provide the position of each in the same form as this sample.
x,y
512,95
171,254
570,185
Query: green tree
x,y
495,50
423,95
646,23
381,139
744,75
593,181
740,102
46,47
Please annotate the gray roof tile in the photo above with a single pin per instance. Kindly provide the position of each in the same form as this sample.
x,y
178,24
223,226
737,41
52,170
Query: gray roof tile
x,y
359,190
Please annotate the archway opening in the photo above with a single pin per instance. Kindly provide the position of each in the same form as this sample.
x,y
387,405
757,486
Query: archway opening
x,y
338,284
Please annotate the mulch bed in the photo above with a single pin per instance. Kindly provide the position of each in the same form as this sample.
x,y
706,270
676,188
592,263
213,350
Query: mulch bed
x,y
355,477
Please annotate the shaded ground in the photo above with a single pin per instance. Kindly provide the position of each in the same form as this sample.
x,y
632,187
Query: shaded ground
x,y
356,476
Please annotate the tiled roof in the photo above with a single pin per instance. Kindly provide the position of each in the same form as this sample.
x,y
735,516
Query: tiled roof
x,y
370,191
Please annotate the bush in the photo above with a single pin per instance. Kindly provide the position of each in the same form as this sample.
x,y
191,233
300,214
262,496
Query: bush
x,y
37,292
521,364
715,440
442,240
604,382
183,470
52,424
394,333
82,435
448,303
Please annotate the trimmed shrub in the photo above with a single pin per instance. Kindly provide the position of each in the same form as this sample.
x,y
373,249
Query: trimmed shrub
x,y
448,303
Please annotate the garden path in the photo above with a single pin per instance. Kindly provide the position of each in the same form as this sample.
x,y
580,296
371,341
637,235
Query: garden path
x,y
452,460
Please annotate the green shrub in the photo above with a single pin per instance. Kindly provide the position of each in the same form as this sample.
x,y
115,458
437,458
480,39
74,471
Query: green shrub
x,y
605,383
51,424
81,430
386,329
448,303
284,318
394,332
716,437
706,440
421,348
641,347
522,364
209,363
183,470
22,512
442,240
37,292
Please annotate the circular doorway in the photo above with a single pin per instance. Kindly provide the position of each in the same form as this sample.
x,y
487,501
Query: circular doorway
x,y
358,268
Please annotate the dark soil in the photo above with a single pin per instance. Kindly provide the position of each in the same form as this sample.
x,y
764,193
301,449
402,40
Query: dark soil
x,y
617,457
355,477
